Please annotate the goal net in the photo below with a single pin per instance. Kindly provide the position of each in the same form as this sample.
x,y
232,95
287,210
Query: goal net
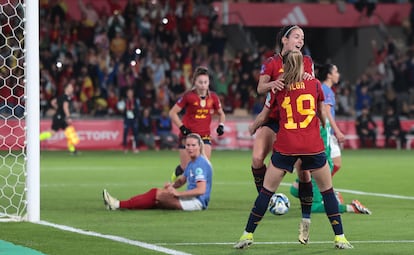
x,y
14,113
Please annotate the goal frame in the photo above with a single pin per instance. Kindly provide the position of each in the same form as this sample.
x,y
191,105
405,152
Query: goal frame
x,y
32,110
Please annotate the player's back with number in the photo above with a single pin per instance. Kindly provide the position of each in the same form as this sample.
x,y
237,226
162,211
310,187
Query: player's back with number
x,y
299,123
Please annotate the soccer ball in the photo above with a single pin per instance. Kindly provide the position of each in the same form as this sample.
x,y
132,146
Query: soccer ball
x,y
279,204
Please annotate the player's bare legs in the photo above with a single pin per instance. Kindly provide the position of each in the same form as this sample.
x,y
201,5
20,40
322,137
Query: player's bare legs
x,y
337,161
207,150
323,178
274,177
271,182
262,146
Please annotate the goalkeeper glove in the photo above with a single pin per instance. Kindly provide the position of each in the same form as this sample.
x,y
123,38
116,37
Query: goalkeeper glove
x,y
184,130
220,129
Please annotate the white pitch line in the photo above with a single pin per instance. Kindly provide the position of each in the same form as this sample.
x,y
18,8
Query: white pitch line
x,y
289,243
148,246
157,247
374,194
357,192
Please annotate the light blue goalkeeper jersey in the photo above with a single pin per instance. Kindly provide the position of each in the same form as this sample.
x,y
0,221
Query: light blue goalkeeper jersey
x,y
329,99
200,170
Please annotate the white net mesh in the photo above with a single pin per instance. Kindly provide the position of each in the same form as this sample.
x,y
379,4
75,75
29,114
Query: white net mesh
x,y
12,111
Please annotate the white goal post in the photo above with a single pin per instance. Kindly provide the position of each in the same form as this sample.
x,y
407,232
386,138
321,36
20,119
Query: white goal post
x,y
19,111
33,111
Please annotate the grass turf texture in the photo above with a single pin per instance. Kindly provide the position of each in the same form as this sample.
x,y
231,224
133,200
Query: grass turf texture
x,y
71,195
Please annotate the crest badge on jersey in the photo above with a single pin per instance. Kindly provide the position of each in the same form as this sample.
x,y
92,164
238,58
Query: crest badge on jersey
x,y
262,69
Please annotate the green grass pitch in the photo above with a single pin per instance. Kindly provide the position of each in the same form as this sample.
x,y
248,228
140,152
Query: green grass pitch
x,y
71,195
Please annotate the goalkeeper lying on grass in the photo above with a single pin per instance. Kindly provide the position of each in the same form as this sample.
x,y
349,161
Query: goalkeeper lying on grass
x,y
317,204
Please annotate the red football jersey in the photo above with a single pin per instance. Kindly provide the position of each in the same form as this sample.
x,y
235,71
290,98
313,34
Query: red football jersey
x,y
298,121
197,116
273,67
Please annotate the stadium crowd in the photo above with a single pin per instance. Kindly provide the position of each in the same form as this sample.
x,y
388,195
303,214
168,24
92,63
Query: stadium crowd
x,y
149,47
153,46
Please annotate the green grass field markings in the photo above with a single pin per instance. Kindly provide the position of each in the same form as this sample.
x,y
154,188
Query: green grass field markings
x,y
158,246
374,194
290,243
356,192
114,238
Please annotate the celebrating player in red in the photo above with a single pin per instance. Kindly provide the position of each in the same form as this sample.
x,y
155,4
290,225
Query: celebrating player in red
x,y
199,104
299,105
289,38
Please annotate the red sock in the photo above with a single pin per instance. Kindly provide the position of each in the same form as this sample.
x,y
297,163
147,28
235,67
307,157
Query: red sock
x,y
142,201
335,170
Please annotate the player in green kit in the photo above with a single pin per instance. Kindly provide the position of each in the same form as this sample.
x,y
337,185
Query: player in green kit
x,y
317,204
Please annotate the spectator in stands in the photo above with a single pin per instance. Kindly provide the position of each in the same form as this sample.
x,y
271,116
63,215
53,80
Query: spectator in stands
x,y
112,101
101,39
147,93
245,85
159,67
392,128
146,130
145,27
400,83
168,140
363,99
176,89
90,18
217,40
115,23
344,101
366,128
187,29
130,13
130,108
221,82
124,79
87,90
189,22
258,104
100,105
118,44
89,13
